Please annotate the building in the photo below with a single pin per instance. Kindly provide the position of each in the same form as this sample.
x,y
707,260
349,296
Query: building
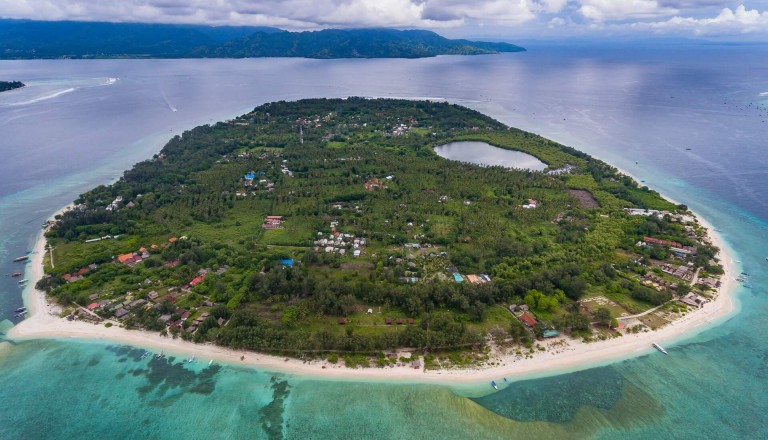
x,y
528,319
273,222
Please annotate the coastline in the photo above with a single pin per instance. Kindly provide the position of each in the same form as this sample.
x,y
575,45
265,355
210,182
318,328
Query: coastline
x,y
45,323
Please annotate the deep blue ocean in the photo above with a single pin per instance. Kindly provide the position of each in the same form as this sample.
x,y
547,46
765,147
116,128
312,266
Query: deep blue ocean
x,y
691,120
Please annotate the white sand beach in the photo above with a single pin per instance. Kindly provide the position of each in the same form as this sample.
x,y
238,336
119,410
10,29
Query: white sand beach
x,y
45,322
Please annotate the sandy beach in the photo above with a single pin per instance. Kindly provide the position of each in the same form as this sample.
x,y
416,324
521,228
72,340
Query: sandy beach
x,y
44,322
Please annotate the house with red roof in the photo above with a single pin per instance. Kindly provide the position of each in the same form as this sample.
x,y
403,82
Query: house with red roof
x,y
528,319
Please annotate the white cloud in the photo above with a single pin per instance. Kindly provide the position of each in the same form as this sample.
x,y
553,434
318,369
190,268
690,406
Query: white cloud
x,y
728,21
606,10
552,6
526,18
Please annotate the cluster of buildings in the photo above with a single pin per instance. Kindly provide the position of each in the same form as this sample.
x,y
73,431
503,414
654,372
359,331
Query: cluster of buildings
x,y
683,272
376,183
676,248
339,243
683,218
472,279
115,204
79,274
143,253
249,181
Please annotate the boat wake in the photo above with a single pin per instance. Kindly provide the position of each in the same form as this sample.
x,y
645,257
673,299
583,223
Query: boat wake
x,y
44,98
168,103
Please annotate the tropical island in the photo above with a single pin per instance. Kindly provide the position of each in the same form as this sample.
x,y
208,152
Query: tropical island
x,y
330,231
25,39
10,85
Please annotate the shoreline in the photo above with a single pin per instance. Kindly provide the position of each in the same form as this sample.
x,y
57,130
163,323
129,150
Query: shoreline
x,y
44,322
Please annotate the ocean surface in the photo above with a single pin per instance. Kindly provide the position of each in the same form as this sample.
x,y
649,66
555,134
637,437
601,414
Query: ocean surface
x,y
689,120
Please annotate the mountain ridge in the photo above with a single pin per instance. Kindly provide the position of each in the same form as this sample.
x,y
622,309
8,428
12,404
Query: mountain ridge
x,y
26,39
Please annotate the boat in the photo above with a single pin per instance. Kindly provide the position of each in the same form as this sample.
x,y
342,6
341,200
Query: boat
x,y
159,355
24,258
146,353
191,359
16,274
660,348
505,380
23,281
209,363
21,310
493,384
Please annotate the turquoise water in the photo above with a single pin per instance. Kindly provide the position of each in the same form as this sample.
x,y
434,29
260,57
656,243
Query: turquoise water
x,y
640,112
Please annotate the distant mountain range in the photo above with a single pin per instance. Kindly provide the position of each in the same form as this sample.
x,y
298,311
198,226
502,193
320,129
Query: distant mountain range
x,y
24,39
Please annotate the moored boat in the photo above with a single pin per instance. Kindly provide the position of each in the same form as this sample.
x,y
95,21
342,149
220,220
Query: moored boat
x,y
16,274
493,384
209,363
660,348
24,258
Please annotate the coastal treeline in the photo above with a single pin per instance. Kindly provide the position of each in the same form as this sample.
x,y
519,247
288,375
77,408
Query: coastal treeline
x,y
331,225
29,39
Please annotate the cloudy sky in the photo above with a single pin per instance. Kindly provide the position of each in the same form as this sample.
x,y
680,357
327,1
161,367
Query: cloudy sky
x,y
712,19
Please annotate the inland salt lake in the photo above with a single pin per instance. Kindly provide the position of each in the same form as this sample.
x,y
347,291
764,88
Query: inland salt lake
x,y
689,120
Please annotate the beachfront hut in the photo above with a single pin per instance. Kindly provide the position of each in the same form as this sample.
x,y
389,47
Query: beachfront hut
x,y
388,321
528,319
343,321
410,321
399,321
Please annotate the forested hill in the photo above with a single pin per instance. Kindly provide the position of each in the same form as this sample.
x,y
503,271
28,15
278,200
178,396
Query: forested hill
x,y
23,39
355,43
332,225
10,85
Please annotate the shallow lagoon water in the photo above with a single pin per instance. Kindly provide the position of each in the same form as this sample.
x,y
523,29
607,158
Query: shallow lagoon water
x,y
641,112
481,153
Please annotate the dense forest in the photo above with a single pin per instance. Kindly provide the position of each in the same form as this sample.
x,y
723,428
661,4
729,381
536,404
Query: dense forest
x,y
10,85
25,39
331,225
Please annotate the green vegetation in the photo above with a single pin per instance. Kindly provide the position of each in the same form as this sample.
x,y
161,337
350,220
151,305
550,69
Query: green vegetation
x,y
10,85
331,226
24,39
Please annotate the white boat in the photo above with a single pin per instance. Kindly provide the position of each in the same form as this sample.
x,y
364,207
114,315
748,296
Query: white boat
x,y
209,363
159,355
191,359
493,384
660,348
